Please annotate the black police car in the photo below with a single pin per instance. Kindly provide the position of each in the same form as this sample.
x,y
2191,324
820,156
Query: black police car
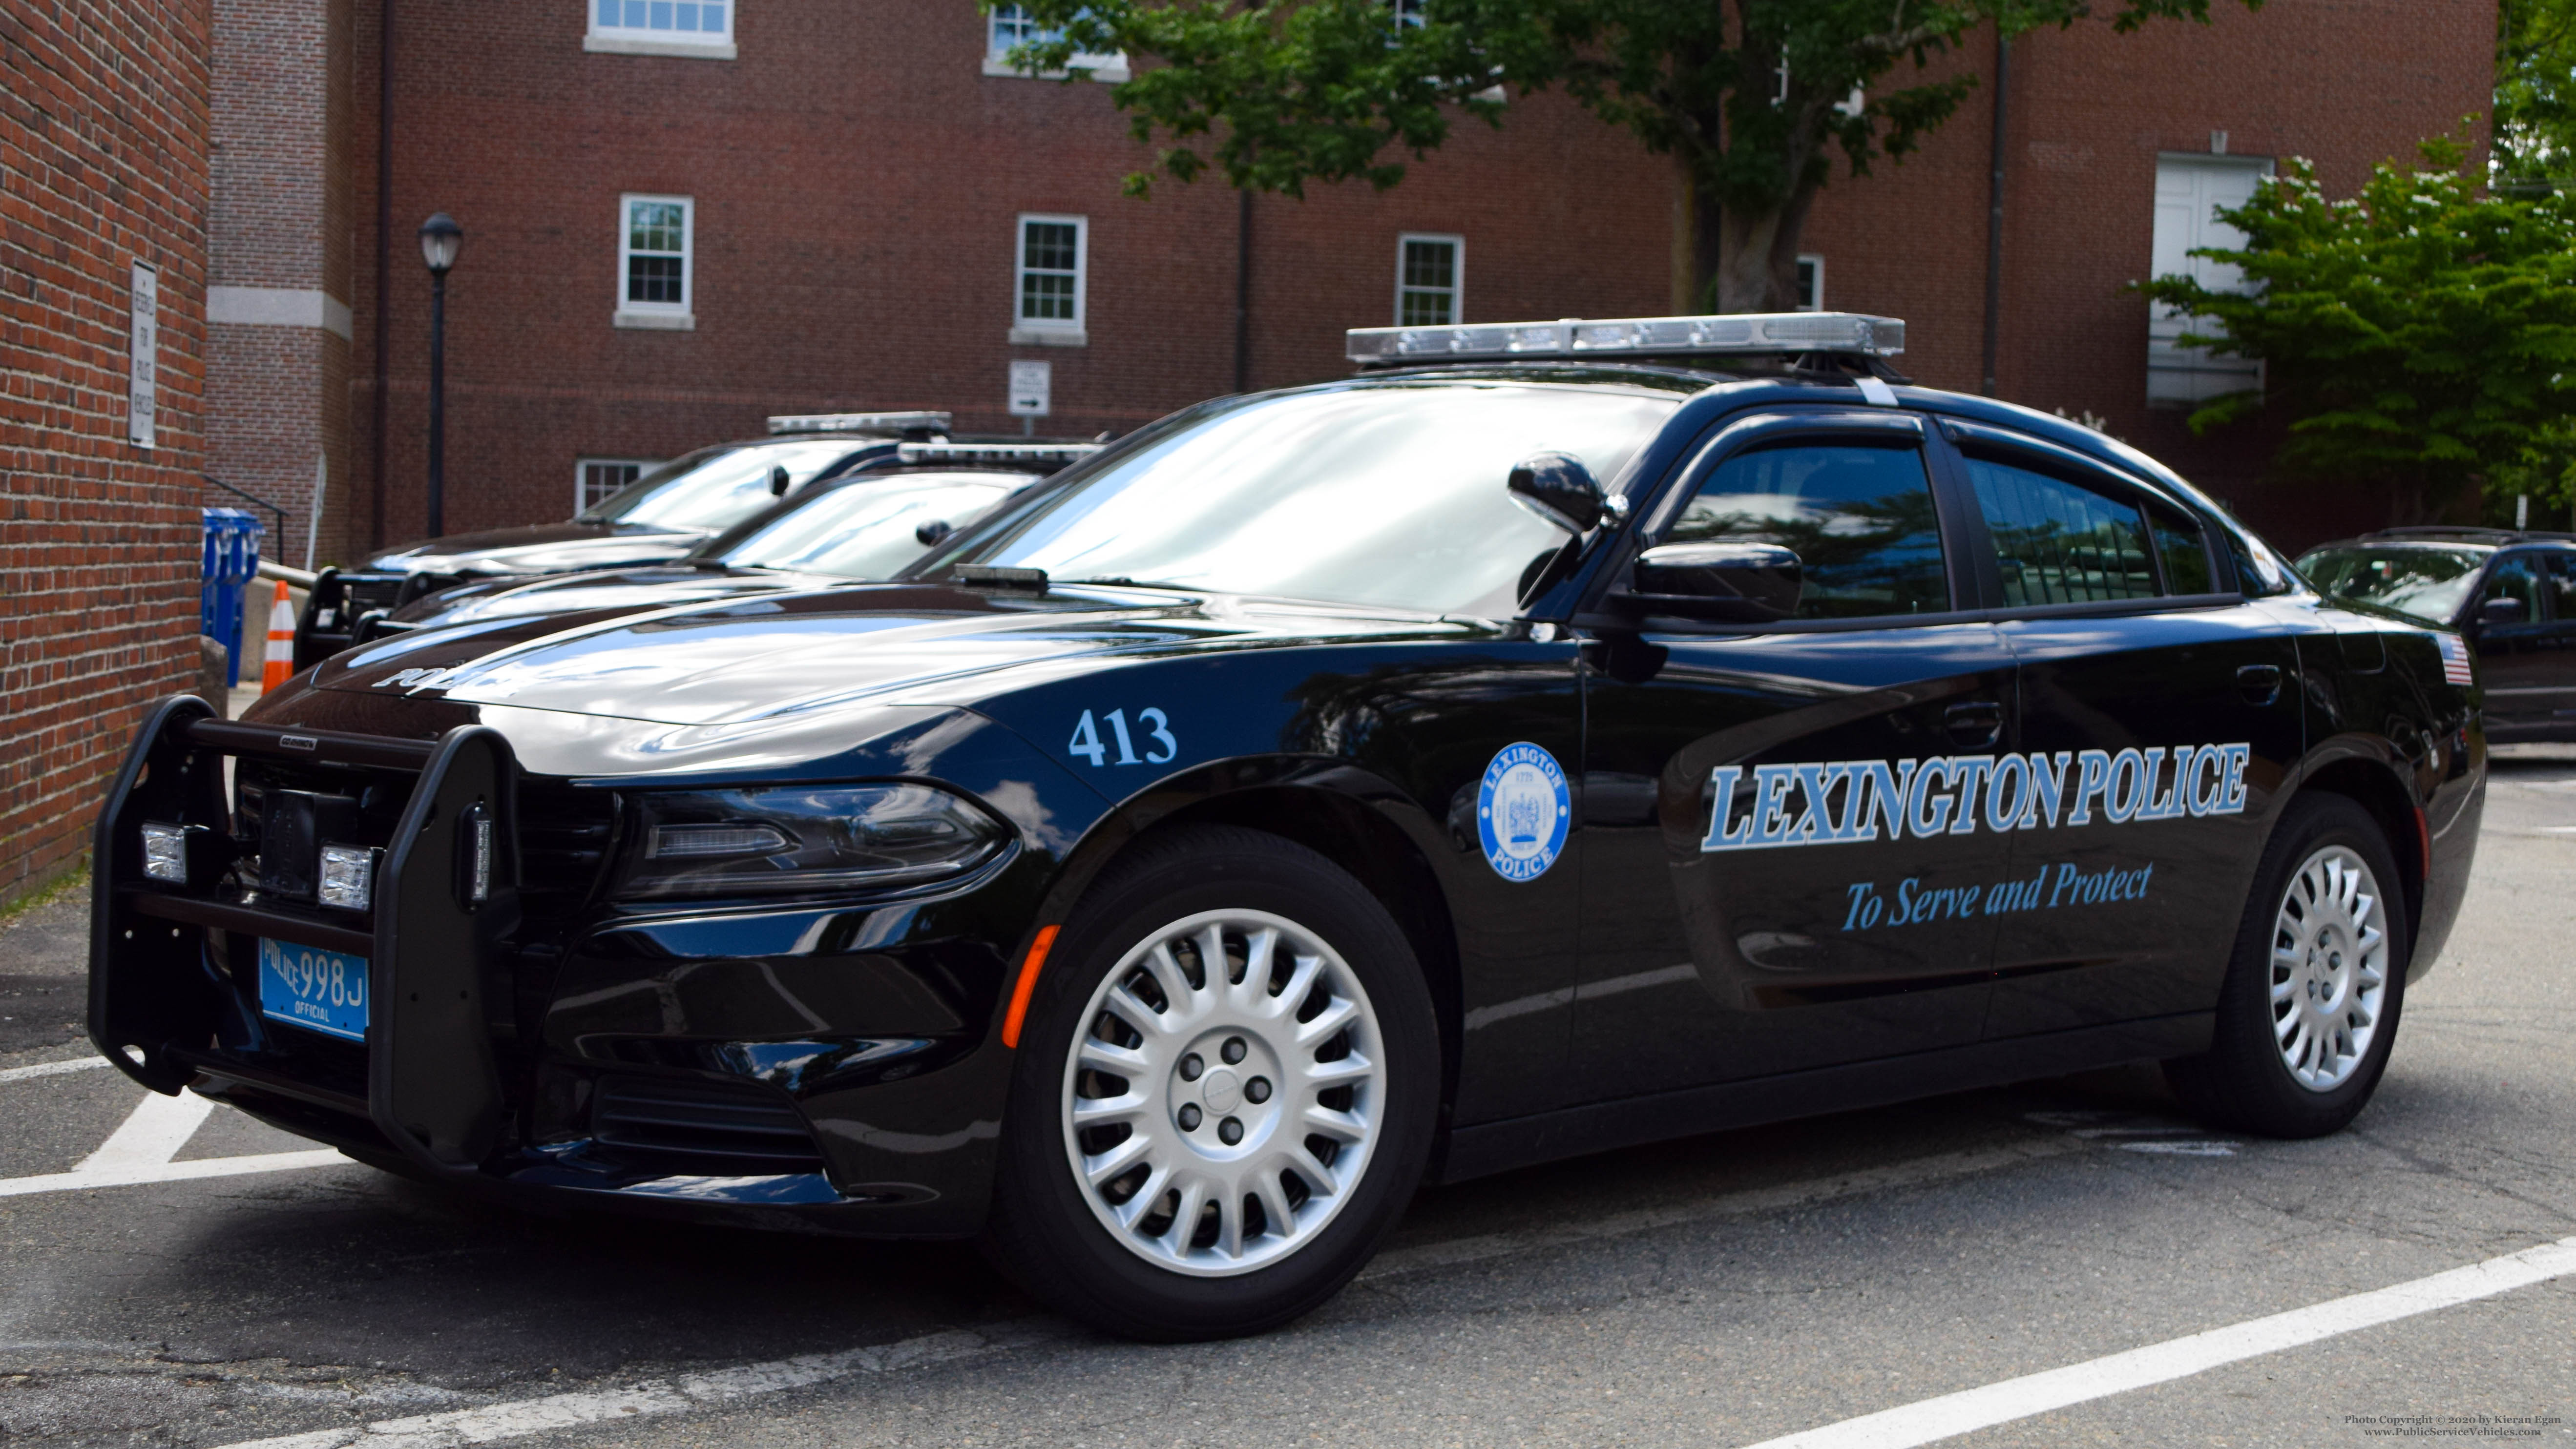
x,y
659,517
865,524
1320,791
2512,594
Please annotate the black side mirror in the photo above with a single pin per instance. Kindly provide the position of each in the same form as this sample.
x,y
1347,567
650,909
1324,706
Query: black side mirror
x,y
1755,583
2504,611
1558,488
777,482
933,531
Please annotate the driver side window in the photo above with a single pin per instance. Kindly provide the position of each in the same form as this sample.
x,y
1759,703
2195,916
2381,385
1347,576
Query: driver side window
x,y
2514,579
1859,518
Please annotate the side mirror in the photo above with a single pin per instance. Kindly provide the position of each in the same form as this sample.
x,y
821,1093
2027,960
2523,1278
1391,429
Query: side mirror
x,y
2504,611
933,531
1558,488
777,482
1753,583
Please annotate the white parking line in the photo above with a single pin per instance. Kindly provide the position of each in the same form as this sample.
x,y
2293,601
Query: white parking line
x,y
1952,1414
52,1069
673,1395
140,1151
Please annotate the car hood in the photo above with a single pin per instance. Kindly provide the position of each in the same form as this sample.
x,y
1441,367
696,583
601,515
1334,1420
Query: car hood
x,y
596,592
745,661
540,548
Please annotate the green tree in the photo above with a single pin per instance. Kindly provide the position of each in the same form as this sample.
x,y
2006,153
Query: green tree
x,y
2535,94
1751,98
2421,336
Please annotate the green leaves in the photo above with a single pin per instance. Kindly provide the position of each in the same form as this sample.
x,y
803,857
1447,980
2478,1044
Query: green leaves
x,y
2421,335
1752,97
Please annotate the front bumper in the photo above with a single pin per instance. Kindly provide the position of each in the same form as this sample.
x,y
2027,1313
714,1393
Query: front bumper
x,y
521,1044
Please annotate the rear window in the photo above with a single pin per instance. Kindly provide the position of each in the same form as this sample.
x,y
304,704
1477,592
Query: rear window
x,y
2429,583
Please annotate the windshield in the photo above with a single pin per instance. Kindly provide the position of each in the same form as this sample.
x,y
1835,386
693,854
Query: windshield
x,y
716,487
2429,583
1386,495
869,529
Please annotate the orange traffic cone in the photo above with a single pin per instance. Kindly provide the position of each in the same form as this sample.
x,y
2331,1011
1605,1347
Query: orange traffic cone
x,y
281,642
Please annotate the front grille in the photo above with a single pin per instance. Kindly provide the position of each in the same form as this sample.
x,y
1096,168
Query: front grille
x,y
724,1129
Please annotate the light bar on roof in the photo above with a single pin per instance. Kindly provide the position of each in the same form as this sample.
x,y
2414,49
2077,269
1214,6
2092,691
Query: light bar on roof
x,y
1569,337
859,422
1058,453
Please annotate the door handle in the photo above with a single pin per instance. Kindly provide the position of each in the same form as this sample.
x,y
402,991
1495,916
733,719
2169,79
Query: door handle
x,y
1974,724
2260,684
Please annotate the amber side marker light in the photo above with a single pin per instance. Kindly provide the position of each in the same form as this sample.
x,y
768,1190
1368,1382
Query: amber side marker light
x,y
1038,948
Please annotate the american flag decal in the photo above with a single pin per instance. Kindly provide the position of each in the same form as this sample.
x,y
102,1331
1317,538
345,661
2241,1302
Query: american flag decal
x,y
2455,660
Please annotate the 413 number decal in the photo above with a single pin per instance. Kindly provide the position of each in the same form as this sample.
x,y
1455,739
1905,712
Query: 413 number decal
x,y
1153,727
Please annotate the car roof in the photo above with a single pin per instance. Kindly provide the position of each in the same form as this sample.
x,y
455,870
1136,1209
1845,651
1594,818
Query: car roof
x,y
2444,536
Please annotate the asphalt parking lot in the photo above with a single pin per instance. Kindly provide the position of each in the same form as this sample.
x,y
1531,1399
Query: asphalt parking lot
x,y
2068,1262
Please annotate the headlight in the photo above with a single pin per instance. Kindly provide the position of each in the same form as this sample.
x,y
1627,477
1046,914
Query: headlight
x,y
803,839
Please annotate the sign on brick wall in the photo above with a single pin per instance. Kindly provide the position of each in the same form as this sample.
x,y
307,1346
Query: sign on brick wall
x,y
146,354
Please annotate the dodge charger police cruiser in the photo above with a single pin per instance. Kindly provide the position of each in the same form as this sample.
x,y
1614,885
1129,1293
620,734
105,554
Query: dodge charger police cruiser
x,y
865,525
1556,736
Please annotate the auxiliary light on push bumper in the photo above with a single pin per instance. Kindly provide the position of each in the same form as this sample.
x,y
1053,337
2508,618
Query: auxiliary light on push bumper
x,y
442,896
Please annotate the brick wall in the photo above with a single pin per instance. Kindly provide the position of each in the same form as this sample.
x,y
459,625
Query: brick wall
x,y
856,177
103,136
278,257
2345,83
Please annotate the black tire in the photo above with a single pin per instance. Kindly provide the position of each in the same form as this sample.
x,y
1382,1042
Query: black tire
x,y
1044,1231
2243,1081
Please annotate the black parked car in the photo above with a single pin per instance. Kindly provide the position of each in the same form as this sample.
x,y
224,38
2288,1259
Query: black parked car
x,y
659,517
2512,594
1563,735
868,523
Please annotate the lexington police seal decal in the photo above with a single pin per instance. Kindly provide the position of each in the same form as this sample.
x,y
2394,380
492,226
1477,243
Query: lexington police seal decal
x,y
1523,811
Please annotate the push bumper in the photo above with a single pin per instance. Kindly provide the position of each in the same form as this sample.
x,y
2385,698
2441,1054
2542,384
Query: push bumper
x,y
445,1085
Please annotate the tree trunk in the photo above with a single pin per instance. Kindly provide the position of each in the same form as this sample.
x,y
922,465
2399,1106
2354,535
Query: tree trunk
x,y
1696,220
1757,256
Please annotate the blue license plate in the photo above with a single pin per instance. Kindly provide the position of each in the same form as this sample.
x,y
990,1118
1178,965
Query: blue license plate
x,y
324,991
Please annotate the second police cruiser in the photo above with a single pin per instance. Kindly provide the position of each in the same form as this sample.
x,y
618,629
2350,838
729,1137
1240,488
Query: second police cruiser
x,y
1561,735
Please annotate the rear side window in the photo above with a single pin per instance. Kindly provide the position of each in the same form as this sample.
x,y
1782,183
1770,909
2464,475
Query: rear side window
x,y
2059,542
1859,518
2182,550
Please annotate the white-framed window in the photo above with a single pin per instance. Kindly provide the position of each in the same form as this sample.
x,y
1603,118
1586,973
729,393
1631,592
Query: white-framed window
x,y
2190,189
702,28
1430,279
656,238
1811,282
594,479
1052,264
1010,25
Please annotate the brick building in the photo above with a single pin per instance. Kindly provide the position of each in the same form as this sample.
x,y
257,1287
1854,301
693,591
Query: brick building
x,y
103,196
682,215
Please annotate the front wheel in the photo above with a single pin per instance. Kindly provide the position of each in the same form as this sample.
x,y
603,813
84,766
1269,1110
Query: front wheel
x,y
1225,1094
2308,1013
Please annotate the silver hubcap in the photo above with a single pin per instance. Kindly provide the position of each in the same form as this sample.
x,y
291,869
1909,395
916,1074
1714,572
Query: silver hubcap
x,y
2329,969
1224,1095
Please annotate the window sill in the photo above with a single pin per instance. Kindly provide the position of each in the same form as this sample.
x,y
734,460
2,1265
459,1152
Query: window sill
x,y
687,49
1050,337
1109,69
655,321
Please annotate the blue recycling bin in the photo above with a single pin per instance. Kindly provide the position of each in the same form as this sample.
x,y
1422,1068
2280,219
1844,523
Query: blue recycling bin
x,y
230,562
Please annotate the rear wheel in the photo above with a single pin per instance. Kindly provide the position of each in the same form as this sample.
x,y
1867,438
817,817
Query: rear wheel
x,y
2308,1014
1225,1092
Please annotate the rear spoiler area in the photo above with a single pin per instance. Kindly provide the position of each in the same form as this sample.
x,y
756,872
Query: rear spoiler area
x,y
174,959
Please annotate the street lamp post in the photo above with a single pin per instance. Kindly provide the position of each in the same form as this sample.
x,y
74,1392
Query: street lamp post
x,y
440,238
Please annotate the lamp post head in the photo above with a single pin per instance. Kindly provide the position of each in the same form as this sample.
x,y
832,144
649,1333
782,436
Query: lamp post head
x,y
440,239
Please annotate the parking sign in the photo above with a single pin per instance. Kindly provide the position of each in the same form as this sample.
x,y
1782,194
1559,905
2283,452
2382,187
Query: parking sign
x,y
1031,382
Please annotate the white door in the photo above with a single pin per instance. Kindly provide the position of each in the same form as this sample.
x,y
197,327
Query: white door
x,y
2189,191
